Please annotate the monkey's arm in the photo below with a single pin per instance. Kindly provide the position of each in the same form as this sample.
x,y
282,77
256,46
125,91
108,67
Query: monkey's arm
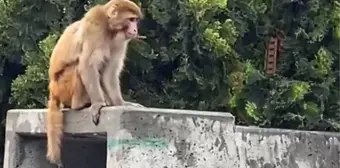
x,y
89,64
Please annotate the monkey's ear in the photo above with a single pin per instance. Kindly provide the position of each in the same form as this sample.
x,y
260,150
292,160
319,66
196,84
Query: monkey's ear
x,y
112,12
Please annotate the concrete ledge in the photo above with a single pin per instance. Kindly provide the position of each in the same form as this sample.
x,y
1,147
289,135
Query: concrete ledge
x,y
32,121
130,133
133,137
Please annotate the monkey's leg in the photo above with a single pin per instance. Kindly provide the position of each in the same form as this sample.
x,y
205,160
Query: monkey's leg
x,y
114,95
110,81
80,99
112,89
90,77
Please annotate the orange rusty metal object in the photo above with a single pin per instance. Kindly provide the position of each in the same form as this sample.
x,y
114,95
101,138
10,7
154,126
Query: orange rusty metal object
x,y
271,55
274,50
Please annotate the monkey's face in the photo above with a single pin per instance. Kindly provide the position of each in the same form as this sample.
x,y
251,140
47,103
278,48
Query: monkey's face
x,y
125,25
130,27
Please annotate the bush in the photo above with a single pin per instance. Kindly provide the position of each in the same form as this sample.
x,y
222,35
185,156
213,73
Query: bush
x,y
209,55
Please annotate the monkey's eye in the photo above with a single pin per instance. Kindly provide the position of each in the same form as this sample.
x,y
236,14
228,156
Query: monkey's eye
x,y
133,19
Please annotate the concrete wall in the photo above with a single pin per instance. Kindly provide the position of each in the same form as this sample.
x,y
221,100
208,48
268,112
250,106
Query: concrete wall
x,y
130,137
277,148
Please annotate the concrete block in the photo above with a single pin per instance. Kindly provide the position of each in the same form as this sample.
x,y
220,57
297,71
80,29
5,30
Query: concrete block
x,y
279,148
172,138
127,137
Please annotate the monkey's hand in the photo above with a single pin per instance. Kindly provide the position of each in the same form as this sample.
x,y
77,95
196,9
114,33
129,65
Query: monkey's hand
x,y
95,112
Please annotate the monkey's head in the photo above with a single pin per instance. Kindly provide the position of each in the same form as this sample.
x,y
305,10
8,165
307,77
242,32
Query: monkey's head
x,y
124,16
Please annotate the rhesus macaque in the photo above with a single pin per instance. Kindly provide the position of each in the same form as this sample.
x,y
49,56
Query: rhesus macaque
x,y
86,63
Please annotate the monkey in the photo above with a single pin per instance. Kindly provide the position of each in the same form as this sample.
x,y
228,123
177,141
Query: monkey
x,y
86,63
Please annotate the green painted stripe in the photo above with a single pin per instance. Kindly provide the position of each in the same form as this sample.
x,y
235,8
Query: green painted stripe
x,y
144,142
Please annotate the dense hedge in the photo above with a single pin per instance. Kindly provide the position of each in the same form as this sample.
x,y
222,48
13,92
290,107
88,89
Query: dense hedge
x,y
201,54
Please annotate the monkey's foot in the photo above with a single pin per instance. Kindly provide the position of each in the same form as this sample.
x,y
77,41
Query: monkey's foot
x,y
127,103
95,112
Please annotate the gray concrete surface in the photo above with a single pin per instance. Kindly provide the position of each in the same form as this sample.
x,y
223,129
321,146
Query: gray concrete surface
x,y
130,137
279,148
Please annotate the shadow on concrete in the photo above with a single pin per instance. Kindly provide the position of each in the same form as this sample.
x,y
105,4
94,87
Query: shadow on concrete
x,y
82,152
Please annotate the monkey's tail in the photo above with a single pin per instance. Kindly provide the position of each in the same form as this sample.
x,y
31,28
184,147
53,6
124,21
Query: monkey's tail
x,y
54,130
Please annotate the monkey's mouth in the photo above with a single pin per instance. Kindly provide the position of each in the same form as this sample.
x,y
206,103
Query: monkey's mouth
x,y
131,35
134,36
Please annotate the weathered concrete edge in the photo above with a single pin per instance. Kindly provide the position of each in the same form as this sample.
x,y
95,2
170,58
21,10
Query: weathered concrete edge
x,y
137,109
32,121
280,131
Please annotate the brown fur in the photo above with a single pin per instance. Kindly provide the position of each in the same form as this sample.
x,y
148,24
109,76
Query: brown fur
x,y
86,63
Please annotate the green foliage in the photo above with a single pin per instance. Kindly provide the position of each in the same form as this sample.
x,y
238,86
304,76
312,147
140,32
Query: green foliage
x,y
323,62
25,24
28,88
205,55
